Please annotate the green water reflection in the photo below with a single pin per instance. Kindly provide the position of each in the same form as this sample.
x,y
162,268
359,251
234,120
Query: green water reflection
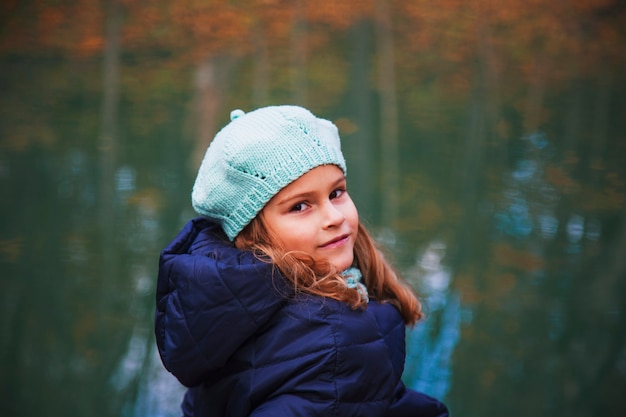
x,y
485,147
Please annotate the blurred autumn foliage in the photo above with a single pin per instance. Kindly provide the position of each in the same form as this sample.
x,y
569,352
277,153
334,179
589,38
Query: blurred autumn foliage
x,y
514,30
537,43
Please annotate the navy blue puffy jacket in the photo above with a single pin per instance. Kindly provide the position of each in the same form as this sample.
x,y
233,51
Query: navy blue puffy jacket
x,y
226,330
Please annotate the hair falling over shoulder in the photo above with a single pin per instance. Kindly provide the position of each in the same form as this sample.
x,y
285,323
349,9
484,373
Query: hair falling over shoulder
x,y
382,280
321,278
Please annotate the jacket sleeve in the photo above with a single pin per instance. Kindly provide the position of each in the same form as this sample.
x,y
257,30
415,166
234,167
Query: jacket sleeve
x,y
206,309
410,403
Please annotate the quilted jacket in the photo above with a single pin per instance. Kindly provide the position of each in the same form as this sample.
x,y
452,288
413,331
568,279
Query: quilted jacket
x,y
227,327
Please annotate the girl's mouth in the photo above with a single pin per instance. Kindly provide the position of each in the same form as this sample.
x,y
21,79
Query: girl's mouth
x,y
333,243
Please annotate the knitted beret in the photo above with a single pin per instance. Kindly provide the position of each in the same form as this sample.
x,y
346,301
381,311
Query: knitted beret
x,y
255,156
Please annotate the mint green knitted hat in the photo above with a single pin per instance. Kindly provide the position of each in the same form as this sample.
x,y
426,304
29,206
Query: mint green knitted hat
x,y
255,156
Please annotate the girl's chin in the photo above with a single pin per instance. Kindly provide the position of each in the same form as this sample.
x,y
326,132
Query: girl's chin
x,y
342,264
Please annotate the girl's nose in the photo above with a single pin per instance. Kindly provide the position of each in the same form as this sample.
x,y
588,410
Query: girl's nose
x,y
333,216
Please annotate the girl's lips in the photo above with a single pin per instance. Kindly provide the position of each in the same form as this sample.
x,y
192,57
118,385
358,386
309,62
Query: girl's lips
x,y
335,242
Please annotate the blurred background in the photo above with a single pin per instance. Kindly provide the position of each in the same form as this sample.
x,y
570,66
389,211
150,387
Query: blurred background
x,y
486,149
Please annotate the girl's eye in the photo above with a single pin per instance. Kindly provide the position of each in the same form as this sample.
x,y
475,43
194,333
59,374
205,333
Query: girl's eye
x,y
336,193
297,207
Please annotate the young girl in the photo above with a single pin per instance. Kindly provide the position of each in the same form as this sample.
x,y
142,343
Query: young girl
x,y
276,301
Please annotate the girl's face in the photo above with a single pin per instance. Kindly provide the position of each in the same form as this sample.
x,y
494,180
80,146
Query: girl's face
x,y
314,214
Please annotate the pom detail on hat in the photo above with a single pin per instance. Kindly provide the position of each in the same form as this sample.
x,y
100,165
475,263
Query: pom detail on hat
x,y
236,114
255,156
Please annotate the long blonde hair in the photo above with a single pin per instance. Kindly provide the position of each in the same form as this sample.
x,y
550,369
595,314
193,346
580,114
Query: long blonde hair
x,y
321,278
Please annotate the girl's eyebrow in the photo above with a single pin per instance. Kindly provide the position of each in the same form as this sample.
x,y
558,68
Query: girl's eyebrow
x,y
307,194
295,197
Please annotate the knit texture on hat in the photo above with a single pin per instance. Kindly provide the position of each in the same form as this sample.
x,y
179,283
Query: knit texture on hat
x,y
255,156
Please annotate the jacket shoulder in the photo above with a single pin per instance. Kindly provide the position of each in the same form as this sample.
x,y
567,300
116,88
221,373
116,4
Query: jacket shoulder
x,y
207,290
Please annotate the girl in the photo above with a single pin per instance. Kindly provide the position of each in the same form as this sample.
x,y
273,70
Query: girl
x,y
276,301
